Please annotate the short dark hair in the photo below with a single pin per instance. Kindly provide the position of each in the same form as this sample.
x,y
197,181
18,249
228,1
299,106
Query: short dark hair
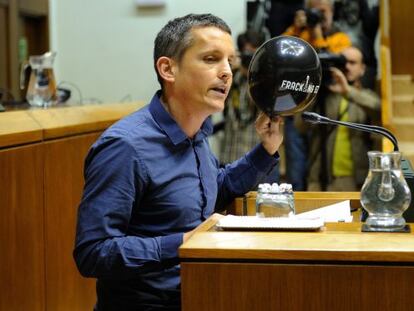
x,y
175,37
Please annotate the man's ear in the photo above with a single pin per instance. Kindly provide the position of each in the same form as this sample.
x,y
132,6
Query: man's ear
x,y
166,68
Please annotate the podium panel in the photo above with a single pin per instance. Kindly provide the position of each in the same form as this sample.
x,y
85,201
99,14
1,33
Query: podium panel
x,y
295,286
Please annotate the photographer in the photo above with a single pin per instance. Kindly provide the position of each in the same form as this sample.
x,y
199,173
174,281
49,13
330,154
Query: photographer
x,y
346,164
315,25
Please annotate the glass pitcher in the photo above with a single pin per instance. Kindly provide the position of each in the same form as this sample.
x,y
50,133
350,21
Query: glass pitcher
x,y
41,90
385,194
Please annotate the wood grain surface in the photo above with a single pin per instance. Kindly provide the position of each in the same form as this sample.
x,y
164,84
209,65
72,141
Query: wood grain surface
x,y
335,242
41,183
338,268
68,121
295,287
64,158
17,128
22,283
33,125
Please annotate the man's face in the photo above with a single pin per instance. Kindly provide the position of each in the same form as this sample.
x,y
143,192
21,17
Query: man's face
x,y
203,76
354,68
327,12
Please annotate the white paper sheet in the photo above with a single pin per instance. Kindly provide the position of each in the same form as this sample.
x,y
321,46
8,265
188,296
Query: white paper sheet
x,y
270,223
338,212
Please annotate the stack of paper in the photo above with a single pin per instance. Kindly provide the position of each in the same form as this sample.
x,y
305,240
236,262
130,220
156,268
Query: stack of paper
x,y
339,212
276,223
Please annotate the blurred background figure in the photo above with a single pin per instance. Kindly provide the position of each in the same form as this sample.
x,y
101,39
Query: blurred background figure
x,y
278,15
281,14
345,165
330,26
240,112
315,25
360,20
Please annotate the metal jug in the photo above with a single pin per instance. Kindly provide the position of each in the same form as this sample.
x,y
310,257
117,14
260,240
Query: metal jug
x,y
41,90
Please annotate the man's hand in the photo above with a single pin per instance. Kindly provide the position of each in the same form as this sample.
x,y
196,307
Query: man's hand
x,y
340,84
316,32
270,132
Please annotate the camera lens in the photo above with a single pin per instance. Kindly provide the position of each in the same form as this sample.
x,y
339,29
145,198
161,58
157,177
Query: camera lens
x,y
313,17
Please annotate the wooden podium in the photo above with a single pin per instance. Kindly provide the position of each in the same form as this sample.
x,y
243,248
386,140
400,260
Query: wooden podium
x,y
337,268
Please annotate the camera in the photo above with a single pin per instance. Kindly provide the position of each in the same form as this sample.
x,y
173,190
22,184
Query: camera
x,y
313,17
329,60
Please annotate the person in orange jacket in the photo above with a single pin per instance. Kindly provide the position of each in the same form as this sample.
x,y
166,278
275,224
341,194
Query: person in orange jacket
x,y
315,25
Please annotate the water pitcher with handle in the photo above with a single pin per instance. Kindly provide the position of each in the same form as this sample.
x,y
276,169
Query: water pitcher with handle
x,y
41,90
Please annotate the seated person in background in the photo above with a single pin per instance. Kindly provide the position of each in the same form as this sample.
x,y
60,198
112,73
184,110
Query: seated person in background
x,y
317,27
151,178
346,164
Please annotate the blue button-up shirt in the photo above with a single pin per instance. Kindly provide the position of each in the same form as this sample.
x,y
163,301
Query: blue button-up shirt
x,y
146,184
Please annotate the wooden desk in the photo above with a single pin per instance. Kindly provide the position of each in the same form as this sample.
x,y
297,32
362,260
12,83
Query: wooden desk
x,y
42,153
338,268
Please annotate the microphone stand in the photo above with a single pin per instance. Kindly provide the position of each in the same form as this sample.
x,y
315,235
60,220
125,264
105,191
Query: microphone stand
x,y
406,167
315,118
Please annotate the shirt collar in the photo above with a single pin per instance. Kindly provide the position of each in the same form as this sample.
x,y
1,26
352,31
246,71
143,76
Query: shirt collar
x,y
170,127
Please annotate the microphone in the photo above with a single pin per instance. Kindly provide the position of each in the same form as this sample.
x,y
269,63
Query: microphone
x,y
315,118
406,167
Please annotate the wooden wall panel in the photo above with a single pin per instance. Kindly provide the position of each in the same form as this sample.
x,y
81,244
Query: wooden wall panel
x,y
402,36
65,288
22,246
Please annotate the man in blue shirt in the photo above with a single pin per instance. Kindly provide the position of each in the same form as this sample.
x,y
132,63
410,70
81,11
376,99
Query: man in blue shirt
x,y
151,178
